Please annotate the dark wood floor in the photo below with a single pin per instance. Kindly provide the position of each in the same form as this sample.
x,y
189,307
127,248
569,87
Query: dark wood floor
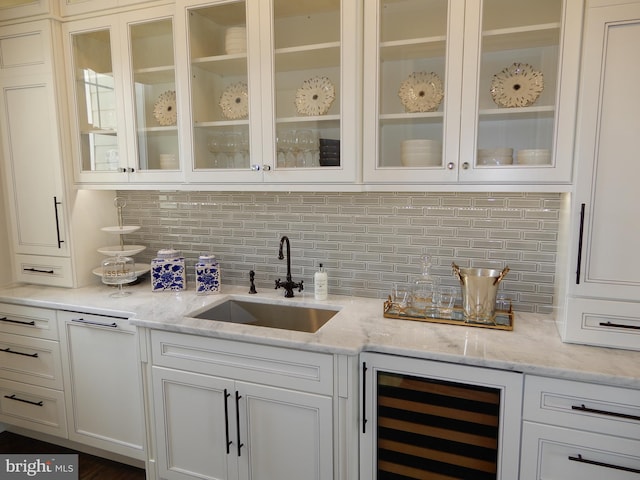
x,y
90,466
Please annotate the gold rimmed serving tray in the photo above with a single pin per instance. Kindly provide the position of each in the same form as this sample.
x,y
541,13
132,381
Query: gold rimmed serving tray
x,y
503,319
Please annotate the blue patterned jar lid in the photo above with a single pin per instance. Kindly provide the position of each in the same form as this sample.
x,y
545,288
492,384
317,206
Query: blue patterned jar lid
x,y
168,253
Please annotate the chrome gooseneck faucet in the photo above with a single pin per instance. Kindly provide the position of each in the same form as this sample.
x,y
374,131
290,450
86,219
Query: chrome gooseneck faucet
x,y
289,284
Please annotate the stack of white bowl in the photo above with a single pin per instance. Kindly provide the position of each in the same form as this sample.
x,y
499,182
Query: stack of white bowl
x,y
495,156
536,156
421,153
235,40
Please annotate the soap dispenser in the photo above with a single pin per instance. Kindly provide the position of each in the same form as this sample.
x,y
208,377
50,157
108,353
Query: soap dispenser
x,y
320,284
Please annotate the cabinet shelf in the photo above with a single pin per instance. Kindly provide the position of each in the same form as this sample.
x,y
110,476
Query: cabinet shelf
x,y
315,118
229,65
427,47
404,117
522,112
222,123
543,35
320,55
155,75
162,129
98,131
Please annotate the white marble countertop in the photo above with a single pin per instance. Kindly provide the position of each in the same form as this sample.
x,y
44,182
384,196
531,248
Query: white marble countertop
x,y
533,347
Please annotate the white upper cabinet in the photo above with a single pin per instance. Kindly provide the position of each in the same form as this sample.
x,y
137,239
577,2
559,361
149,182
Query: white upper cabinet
x,y
273,91
123,88
503,115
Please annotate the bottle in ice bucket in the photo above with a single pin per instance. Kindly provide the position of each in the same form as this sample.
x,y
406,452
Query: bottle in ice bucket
x,y
167,271
207,275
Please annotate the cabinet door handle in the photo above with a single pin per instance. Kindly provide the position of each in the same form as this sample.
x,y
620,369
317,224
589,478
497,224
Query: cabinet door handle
x,y
19,322
582,408
55,209
226,419
578,458
580,237
98,324
13,397
240,444
8,350
364,397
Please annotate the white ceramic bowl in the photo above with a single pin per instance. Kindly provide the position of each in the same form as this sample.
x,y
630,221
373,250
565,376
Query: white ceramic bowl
x,y
534,157
497,160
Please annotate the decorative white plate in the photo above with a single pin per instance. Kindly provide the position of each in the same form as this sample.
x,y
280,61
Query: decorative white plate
x,y
124,250
234,101
140,269
518,85
121,230
421,92
164,110
315,96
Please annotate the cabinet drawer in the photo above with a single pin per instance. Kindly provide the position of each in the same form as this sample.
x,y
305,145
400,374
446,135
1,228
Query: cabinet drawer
x,y
583,406
279,367
30,360
557,453
42,270
35,408
29,321
606,323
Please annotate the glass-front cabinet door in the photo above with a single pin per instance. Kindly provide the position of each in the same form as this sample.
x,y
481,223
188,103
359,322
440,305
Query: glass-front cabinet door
x,y
412,89
268,81
151,85
497,118
123,84
98,114
520,89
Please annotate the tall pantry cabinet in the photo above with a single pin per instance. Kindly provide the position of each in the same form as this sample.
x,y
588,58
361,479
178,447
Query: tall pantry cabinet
x,y
603,277
44,217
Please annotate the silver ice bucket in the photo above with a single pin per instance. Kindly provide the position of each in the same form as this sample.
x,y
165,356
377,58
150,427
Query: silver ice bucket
x,y
479,289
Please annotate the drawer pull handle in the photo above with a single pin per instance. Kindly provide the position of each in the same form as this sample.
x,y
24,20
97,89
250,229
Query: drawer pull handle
x,y
8,350
19,322
619,325
99,324
13,397
579,458
582,408
39,270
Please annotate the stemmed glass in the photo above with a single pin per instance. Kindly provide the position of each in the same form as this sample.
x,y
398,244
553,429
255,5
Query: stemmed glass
x,y
306,143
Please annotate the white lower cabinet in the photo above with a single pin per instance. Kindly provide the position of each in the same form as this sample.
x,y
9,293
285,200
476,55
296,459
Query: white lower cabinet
x,y
103,381
579,430
241,411
31,385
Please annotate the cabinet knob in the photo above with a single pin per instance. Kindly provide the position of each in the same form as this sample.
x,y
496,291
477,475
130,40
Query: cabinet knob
x,y
255,168
465,166
450,165
266,167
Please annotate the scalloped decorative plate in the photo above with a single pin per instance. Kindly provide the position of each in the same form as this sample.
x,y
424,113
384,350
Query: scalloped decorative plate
x,y
421,92
315,96
518,85
234,101
164,110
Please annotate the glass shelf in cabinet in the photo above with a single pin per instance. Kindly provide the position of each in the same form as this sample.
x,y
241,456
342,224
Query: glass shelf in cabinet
x,y
518,112
315,118
534,36
435,117
415,48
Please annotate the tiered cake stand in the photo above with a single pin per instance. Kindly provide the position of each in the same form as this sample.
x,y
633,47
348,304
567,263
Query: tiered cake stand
x,y
119,268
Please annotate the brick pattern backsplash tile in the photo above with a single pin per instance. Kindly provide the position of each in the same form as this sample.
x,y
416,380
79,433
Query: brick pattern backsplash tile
x,y
366,241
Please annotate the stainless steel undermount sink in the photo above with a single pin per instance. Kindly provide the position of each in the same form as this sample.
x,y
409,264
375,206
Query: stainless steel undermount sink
x,y
286,317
